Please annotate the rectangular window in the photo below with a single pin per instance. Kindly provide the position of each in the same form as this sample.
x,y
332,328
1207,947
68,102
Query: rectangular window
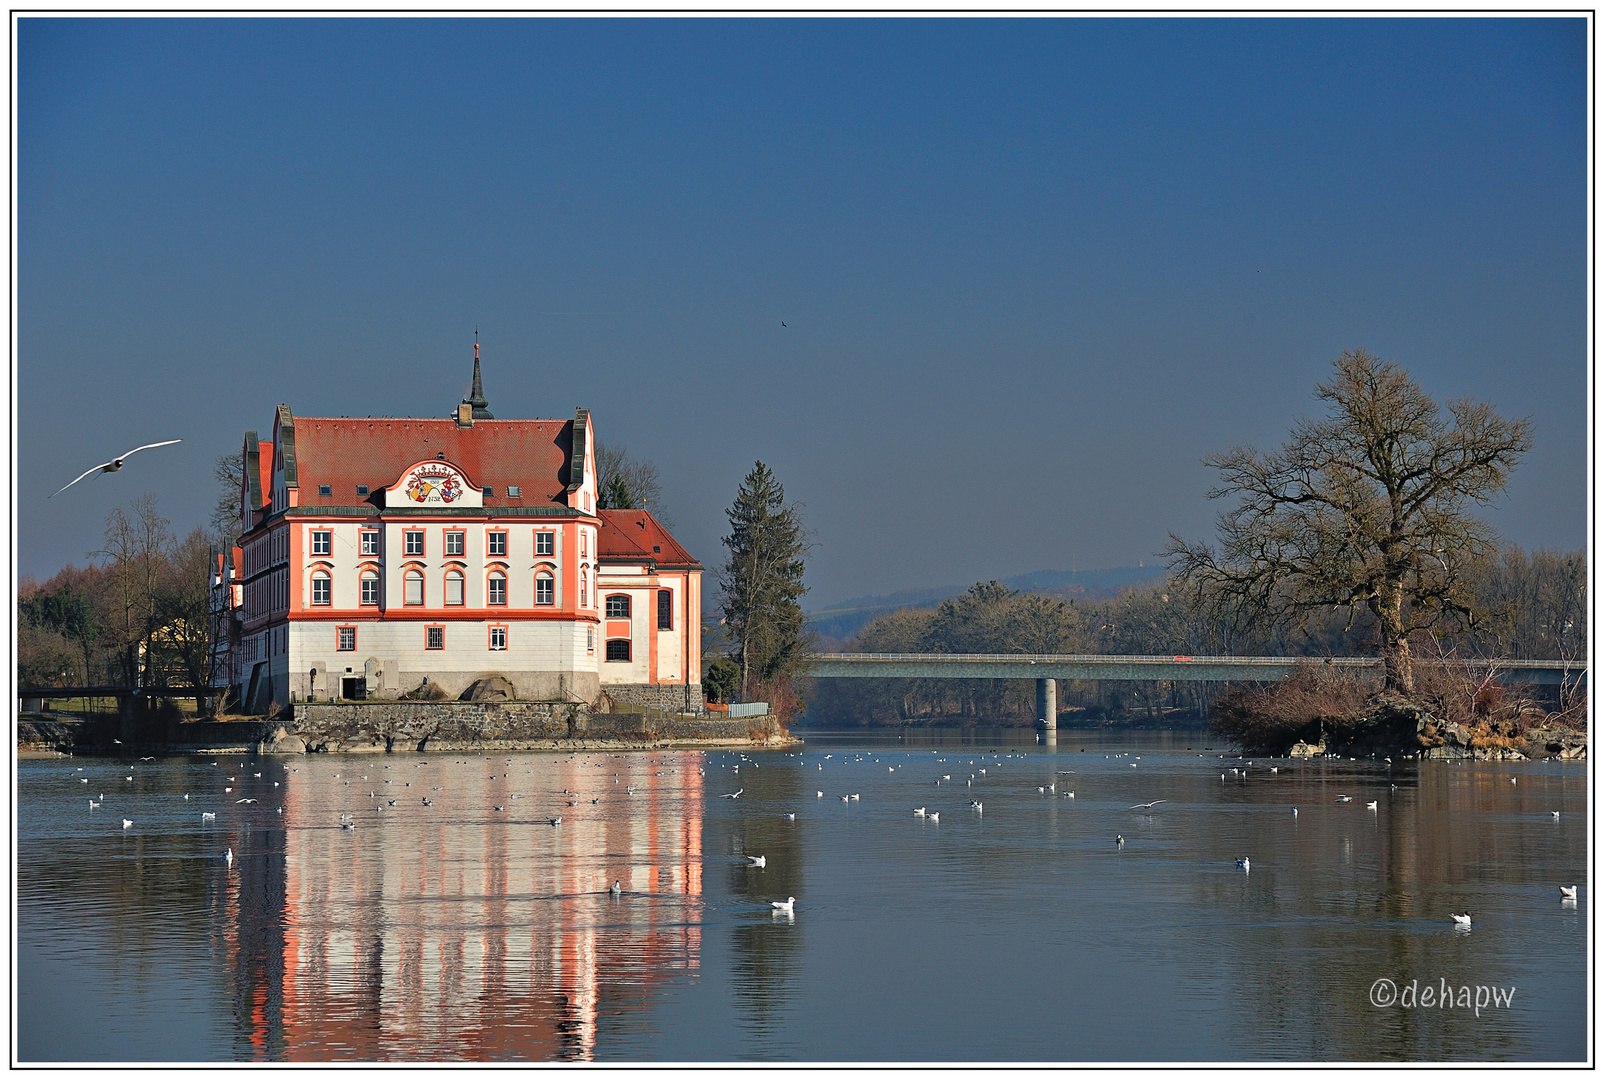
x,y
370,589
413,592
454,588
322,542
455,542
665,609
434,637
545,543
345,638
498,589
543,589
320,588
590,639
618,607
414,542
618,649
582,543
514,491
498,638
369,541
498,543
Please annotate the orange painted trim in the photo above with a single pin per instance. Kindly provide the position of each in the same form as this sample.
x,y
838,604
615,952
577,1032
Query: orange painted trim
x,y
416,612
297,570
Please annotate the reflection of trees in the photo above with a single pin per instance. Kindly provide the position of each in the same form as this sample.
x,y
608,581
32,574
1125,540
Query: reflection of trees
x,y
767,948
1294,969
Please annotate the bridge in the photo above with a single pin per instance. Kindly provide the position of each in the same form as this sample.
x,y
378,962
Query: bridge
x,y
1048,667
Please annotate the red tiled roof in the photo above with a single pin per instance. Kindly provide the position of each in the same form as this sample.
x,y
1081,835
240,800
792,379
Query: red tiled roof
x,y
342,452
631,535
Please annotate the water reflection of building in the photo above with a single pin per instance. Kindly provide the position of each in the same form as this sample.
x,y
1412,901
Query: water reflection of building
x,y
457,931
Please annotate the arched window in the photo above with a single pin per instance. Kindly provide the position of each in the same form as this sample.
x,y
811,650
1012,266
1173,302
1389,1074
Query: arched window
x,y
370,588
414,593
543,588
454,587
498,587
583,601
320,587
618,607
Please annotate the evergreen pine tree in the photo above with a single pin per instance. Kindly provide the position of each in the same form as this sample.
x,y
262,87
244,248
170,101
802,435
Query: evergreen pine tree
x,y
763,581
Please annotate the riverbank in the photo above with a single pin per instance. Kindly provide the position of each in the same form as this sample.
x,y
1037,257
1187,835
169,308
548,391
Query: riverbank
x,y
391,727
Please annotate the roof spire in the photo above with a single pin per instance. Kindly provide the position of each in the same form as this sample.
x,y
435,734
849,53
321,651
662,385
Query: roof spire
x,y
476,396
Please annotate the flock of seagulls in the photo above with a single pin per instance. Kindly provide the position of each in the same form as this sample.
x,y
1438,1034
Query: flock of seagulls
x,y
347,821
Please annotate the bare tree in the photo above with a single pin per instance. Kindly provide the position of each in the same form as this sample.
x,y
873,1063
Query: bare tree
x,y
137,545
1367,509
229,472
626,483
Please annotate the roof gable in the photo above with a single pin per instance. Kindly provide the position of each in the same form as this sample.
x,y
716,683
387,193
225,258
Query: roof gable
x,y
637,536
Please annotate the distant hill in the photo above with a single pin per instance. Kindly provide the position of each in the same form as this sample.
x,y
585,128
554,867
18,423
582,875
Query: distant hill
x,y
840,621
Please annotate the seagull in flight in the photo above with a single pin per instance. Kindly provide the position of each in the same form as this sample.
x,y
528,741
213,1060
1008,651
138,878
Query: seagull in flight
x,y
1147,805
736,794
114,464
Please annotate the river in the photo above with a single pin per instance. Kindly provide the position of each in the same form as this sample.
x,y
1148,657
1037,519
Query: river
x,y
473,929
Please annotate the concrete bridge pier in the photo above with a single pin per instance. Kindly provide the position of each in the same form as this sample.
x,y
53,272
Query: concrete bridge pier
x,y
1048,704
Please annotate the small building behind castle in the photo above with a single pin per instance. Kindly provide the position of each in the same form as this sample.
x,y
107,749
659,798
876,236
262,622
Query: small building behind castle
x,y
385,557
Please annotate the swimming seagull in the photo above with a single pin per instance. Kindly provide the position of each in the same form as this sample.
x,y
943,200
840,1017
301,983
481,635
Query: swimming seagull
x,y
791,817
919,811
1569,892
1345,798
783,906
555,821
1295,811
1371,805
127,824
114,464
616,889
933,816
93,804
207,815
1461,920
1242,864
228,856
756,860
1119,840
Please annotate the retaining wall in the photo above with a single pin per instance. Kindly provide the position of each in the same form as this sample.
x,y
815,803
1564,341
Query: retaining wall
x,y
513,725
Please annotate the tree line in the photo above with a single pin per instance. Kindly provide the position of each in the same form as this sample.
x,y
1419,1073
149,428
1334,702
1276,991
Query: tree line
x,y
1535,606
136,615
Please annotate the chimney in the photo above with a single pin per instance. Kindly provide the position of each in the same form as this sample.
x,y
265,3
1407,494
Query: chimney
x,y
465,415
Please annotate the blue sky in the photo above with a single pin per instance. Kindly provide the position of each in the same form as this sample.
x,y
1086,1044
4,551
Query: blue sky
x,y
1031,270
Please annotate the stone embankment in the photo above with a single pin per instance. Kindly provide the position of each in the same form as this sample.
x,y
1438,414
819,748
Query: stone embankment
x,y
395,726
1400,729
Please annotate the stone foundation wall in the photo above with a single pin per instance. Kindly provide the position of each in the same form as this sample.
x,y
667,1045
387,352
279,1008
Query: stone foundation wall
x,y
514,725
669,697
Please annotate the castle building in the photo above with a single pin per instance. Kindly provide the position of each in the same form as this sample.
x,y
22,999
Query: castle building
x,y
388,556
